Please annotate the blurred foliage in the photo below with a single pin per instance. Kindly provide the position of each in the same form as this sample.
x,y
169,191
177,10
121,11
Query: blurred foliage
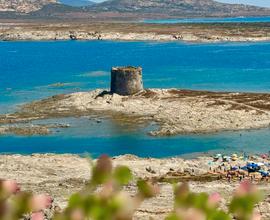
x,y
105,199
201,206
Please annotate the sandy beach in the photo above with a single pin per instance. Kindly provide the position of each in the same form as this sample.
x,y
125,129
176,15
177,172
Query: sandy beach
x,y
62,175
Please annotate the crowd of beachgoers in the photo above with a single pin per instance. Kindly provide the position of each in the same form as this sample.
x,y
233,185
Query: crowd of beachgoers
x,y
255,168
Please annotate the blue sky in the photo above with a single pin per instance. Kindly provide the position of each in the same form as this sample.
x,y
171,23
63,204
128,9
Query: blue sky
x,y
264,3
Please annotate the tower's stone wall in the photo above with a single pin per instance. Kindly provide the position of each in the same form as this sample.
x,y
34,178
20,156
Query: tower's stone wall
x,y
126,80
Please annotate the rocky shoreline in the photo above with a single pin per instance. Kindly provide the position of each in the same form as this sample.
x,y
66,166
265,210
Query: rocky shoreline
x,y
62,175
30,129
134,32
52,36
173,111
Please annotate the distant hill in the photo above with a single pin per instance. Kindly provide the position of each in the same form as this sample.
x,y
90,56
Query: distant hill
x,y
23,6
179,8
76,3
28,6
125,9
55,11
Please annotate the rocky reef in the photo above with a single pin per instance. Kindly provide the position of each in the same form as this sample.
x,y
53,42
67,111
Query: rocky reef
x,y
173,111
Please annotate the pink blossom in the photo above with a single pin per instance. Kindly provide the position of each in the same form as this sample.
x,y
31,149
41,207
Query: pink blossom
x,y
191,214
214,199
245,188
37,216
107,190
104,164
40,202
256,216
10,186
77,214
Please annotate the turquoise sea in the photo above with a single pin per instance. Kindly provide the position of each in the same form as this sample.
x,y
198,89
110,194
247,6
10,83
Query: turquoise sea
x,y
210,20
31,70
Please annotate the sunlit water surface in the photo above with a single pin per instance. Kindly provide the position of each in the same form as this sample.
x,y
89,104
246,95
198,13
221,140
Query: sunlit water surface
x,y
210,20
30,71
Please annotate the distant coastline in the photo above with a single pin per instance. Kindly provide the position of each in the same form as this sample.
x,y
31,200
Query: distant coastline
x,y
12,30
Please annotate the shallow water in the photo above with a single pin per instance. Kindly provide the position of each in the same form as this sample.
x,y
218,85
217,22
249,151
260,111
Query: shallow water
x,y
209,20
33,70
87,136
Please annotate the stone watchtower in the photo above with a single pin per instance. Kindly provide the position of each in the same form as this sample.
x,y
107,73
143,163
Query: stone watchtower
x,y
126,80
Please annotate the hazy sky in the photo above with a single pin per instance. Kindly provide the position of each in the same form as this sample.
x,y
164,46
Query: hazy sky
x,y
265,3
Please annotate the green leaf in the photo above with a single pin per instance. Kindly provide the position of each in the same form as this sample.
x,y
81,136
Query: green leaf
x,y
146,189
173,216
122,175
75,200
218,215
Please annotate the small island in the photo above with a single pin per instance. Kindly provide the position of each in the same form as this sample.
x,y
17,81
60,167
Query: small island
x,y
212,32
174,111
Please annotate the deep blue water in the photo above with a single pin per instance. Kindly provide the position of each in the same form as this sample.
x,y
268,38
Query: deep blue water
x,y
210,20
27,70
